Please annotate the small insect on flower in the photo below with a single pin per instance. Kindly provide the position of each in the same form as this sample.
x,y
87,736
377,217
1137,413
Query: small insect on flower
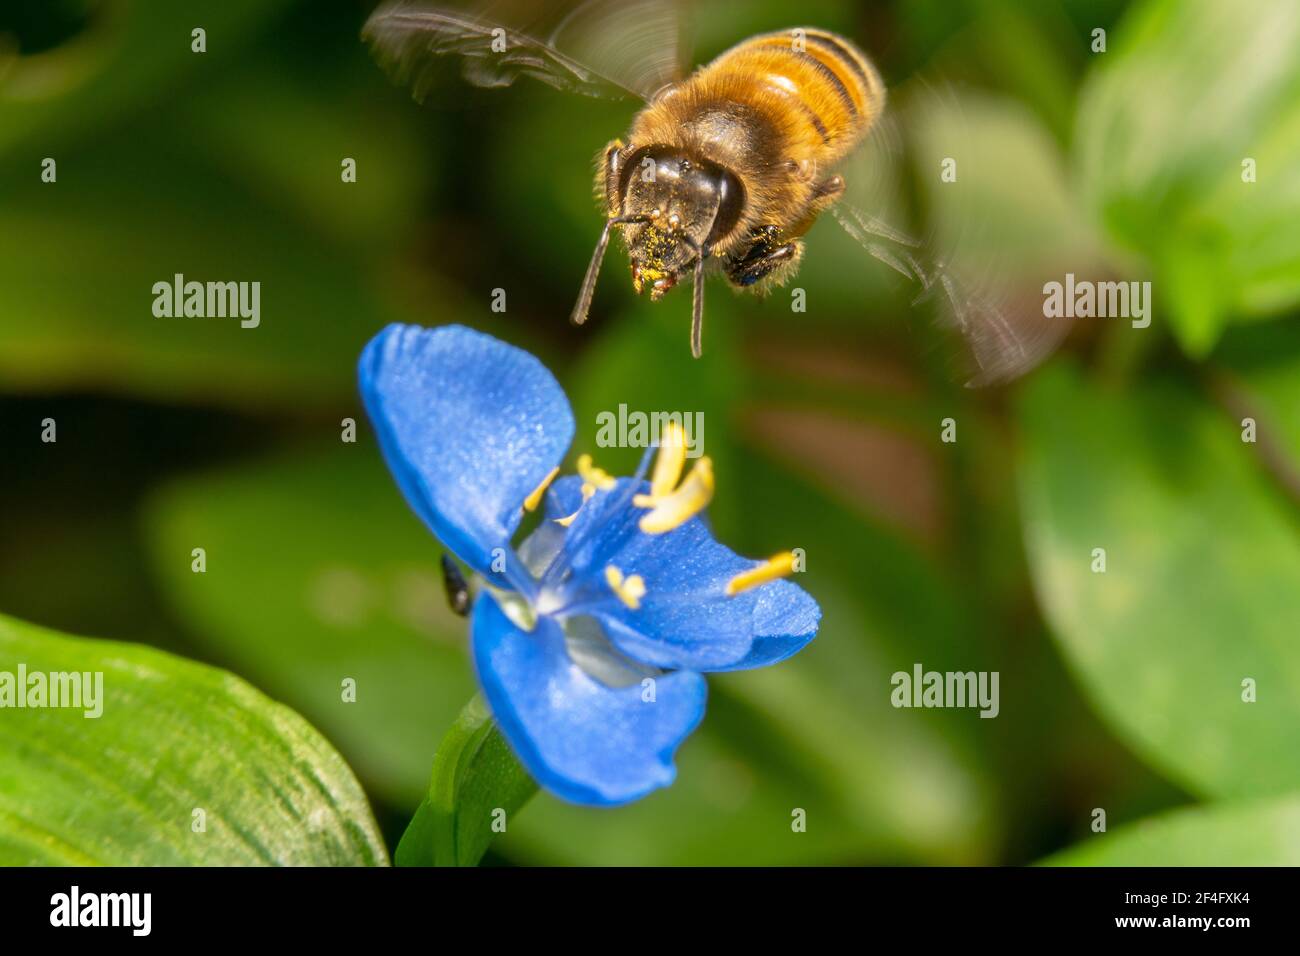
x,y
590,637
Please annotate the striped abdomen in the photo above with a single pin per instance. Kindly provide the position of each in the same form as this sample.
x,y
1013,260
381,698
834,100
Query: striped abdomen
x,y
828,88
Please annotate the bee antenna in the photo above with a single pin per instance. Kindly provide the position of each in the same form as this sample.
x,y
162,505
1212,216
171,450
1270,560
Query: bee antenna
x,y
583,305
697,306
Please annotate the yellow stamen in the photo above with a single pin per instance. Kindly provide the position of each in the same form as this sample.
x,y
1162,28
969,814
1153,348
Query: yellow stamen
x,y
669,461
533,500
676,509
587,492
777,566
592,475
630,590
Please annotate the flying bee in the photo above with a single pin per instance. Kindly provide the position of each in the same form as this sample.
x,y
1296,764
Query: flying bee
x,y
722,170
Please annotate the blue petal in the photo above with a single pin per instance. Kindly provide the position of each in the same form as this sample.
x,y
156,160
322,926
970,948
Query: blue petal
x,y
563,498
685,620
469,427
785,620
580,739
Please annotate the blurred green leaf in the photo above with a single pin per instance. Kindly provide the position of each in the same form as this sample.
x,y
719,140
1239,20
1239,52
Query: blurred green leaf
x,y
284,135
1188,91
121,789
77,273
132,52
475,777
1010,208
921,777
1259,833
1202,584
543,156
1029,48
317,572
1258,373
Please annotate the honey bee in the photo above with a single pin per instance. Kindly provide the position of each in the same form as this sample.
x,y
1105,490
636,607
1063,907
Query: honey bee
x,y
722,170
732,164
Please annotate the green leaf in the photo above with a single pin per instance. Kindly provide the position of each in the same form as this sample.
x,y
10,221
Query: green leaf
x,y
317,308
239,182
174,737
1201,590
475,788
1188,91
318,572
337,109
1257,833
1258,376
130,52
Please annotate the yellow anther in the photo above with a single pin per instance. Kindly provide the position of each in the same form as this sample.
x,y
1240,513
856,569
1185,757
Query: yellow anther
x,y
777,566
597,477
686,502
533,500
669,461
668,466
630,590
587,492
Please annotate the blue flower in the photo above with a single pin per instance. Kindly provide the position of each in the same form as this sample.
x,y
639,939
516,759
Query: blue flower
x,y
590,637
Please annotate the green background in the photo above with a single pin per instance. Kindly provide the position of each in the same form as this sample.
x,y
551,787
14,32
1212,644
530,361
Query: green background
x,y
1120,691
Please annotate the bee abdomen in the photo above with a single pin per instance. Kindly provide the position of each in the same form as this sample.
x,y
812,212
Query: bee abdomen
x,y
826,83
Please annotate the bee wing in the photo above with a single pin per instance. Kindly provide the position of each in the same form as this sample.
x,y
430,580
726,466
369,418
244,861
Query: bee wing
x,y
1005,332
603,48
1005,335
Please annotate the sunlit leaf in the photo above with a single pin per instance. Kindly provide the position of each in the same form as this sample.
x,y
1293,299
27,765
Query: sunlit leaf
x,y
1186,643
1258,833
1189,94
184,764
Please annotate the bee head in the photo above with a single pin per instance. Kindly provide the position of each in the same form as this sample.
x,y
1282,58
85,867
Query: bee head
x,y
678,206
674,209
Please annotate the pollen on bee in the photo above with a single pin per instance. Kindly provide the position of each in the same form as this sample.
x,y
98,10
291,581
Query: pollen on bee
x,y
629,590
777,566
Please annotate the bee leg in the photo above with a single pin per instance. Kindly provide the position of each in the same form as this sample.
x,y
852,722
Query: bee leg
x,y
828,192
767,261
611,170
823,196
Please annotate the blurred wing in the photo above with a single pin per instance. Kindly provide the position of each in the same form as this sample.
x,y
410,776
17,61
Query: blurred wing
x,y
1005,337
603,48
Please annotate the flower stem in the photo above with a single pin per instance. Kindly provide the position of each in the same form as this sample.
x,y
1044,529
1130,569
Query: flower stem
x,y
475,788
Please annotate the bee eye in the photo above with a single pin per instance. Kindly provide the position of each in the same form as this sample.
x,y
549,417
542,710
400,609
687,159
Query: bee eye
x,y
674,221
656,213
